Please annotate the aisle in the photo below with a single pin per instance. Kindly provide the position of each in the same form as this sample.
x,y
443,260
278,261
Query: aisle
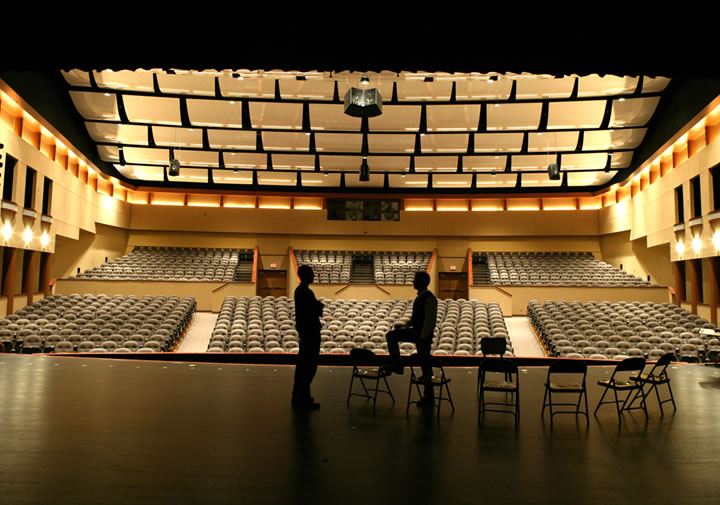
x,y
522,337
198,336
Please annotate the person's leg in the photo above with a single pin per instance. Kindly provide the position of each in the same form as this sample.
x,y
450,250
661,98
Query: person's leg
x,y
393,338
312,355
424,358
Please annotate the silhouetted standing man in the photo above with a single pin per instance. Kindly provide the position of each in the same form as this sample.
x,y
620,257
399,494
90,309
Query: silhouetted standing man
x,y
420,330
308,311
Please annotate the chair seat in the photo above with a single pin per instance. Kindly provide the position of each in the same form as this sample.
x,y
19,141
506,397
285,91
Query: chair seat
x,y
566,387
618,384
374,373
499,385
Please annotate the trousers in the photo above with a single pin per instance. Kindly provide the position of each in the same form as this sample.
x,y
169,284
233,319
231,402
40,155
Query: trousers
x,y
394,337
306,365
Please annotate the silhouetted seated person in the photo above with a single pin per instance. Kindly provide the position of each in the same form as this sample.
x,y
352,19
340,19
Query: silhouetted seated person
x,y
308,311
419,331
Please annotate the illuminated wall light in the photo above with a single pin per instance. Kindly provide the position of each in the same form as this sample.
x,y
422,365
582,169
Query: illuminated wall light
x,y
306,207
44,239
171,204
697,244
680,248
202,204
272,206
27,235
239,205
716,240
7,230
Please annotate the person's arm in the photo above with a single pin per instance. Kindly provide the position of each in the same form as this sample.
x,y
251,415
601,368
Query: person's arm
x,y
430,318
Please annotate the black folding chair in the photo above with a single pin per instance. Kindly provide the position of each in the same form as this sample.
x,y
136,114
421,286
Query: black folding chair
x,y
489,382
657,376
566,377
621,380
366,367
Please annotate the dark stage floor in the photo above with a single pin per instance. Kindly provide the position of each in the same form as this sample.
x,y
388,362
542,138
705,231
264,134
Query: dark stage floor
x,y
95,431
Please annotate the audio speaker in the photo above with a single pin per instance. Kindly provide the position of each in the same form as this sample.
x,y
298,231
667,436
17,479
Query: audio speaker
x,y
174,169
363,102
554,172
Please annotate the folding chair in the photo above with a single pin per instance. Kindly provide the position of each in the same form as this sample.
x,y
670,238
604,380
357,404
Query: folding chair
x,y
366,366
566,377
438,381
492,346
509,384
657,376
620,380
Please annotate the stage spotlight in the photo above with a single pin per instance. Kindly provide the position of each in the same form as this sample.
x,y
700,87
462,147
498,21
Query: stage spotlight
x,y
364,171
554,172
174,169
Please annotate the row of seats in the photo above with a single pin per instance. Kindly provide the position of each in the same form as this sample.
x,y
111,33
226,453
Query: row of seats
x,y
387,267
98,323
602,330
268,325
177,263
553,269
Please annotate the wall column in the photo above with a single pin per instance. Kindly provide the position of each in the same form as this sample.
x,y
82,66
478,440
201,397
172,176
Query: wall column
x,y
8,276
679,271
28,274
695,284
714,264
44,286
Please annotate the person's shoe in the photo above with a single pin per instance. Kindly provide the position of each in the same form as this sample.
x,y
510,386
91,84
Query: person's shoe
x,y
425,379
393,369
426,403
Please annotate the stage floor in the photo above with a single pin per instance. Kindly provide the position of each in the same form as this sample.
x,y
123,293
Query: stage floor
x,y
99,431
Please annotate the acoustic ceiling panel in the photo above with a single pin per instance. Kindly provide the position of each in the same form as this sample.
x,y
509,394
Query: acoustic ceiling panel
x,y
436,163
599,140
633,111
569,115
539,180
245,160
483,89
484,163
533,162
320,180
142,155
312,89
338,142
151,109
187,84
250,86
553,141
286,141
131,80
232,139
230,177
448,181
118,133
293,161
498,142
397,143
177,137
513,116
352,180
409,181
584,161
444,143
195,175
396,118
197,158
418,90
502,182
576,179
453,117
389,163
332,117
274,115
142,173
595,85
216,113
537,87
269,178
96,106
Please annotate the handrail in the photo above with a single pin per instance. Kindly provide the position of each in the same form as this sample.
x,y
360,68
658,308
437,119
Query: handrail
x,y
470,272
256,252
221,286
432,260
503,291
291,252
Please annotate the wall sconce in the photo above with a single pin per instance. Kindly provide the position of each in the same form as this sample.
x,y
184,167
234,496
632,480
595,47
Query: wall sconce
x,y
680,247
28,235
697,244
7,230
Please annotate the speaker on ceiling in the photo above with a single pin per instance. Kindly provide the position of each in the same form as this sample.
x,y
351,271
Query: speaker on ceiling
x,y
554,172
174,169
363,102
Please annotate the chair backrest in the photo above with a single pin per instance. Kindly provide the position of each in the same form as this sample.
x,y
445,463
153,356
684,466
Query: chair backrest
x,y
498,365
564,366
630,365
363,357
493,345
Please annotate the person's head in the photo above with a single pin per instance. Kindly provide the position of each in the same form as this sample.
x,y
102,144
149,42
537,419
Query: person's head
x,y
421,281
306,274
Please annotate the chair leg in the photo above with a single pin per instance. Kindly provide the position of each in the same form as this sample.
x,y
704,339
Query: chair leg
x,y
601,401
352,379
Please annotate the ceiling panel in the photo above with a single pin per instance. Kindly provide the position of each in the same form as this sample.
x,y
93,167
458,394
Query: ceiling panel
x,y
150,109
276,115
436,163
332,117
142,173
232,139
397,143
613,139
498,142
352,180
389,163
197,158
396,118
186,84
269,178
513,116
219,113
339,142
382,82
150,155
533,162
320,180
76,77
286,141
230,177
120,133
453,117
621,160
633,111
655,84
449,181
134,80
594,85
536,87
589,178
584,161
501,182
311,89
109,153
539,181
196,175
293,161
483,89
336,163
484,163
409,181
245,160
250,86
93,105
553,141
418,90
569,115
444,143
177,137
